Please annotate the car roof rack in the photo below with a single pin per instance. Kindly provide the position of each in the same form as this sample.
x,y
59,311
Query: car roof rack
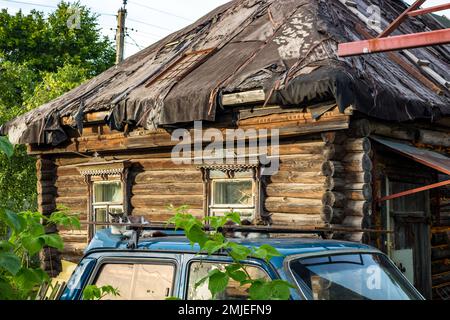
x,y
135,230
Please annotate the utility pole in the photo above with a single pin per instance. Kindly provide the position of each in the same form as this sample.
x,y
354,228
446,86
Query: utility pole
x,y
120,32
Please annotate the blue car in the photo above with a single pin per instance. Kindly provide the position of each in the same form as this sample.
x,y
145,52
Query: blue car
x,y
156,268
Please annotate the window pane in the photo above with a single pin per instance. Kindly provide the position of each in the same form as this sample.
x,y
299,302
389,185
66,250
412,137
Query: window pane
x,y
137,281
234,291
233,192
108,192
100,216
351,277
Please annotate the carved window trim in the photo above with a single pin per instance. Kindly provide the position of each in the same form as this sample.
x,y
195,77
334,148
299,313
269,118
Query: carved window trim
x,y
104,171
230,171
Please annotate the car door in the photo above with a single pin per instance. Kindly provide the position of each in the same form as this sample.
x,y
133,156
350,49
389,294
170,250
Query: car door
x,y
138,276
197,267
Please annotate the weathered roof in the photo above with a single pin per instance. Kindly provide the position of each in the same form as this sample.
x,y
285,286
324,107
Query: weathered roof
x,y
286,47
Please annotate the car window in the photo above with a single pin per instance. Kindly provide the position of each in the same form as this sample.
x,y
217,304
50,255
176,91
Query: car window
x,y
234,291
354,276
137,281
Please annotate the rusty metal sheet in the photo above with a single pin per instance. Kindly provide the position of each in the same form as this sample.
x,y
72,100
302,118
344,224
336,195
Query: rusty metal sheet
x,y
426,157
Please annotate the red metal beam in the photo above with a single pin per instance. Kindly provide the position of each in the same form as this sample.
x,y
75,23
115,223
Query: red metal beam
x,y
412,191
394,25
422,39
420,12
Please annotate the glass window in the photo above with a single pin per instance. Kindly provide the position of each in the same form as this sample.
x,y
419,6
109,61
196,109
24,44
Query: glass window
x,y
107,201
234,291
351,277
233,192
137,281
108,192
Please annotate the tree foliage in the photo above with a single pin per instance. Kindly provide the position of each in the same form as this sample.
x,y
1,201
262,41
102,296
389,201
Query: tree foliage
x,y
42,57
214,241
26,236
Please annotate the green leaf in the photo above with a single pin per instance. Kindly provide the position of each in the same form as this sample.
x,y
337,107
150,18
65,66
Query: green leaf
x,y
33,244
10,262
13,220
53,240
6,290
6,147
279,290
212,246
28,278
235,272
238,252
218,281
91,292
195,234
234,216
259,290
266,252
5,246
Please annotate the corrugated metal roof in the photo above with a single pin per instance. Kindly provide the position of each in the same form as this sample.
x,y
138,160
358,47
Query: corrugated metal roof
x,y
426,157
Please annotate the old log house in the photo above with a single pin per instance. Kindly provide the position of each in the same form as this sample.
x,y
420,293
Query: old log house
x,y
353,132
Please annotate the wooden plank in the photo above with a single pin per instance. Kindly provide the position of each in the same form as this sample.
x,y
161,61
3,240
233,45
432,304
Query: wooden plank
x,y
246,97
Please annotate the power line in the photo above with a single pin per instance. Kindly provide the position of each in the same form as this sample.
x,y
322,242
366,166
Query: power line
x,y
150,25
51,7
159,10
137,45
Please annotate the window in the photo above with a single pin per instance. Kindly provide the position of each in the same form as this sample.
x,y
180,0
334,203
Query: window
x,y
137,281
107,200
353,276
233,193
108,191
234,291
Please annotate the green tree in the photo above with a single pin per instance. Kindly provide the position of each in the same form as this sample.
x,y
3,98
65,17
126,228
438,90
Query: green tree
x,y
19,279
40,59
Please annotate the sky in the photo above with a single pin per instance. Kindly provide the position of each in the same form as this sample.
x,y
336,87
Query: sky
x,y
147,21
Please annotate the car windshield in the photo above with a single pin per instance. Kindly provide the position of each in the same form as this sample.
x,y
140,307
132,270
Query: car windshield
x,y
355,276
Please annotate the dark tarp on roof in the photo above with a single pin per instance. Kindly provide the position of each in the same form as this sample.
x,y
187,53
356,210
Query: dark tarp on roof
x,y
289,45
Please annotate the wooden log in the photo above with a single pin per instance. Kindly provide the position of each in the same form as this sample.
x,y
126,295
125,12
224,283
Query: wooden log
x,y
46,175
300,147
298,177
334,183
332,168
440,278
46,189
293,205
149,177
295,190
166,200
360,161
46,198
333,152
394,131
358,177
238,98
440,252
333,199
436,138
358,145
359,128
45,165
440,266
76,191
162,213
181,188
332,215
358,191
334,137
358,208
296,219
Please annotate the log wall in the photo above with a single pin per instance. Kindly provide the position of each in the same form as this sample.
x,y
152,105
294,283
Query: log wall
x,y
292,196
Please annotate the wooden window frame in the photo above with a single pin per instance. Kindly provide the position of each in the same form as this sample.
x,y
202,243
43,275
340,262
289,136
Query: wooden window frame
x,y
104,172
210,209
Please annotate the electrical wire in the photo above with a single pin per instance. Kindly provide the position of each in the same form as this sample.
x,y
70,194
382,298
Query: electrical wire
x,y
159,11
